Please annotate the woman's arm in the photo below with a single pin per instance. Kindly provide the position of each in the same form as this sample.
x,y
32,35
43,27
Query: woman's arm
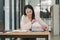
x,y
44,25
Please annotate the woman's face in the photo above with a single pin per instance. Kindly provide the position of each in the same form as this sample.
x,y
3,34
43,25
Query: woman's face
x,y
28,12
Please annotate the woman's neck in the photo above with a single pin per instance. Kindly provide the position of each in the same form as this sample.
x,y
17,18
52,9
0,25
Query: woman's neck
x,y
30,18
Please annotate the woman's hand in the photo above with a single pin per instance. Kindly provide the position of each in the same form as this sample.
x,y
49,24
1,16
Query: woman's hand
x,y
45,28
33,21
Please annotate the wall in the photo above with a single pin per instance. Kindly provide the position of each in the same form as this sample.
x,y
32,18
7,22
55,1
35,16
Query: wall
x,y
59,15
56,19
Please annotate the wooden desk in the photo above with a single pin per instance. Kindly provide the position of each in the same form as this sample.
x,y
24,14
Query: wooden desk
x,y
26,34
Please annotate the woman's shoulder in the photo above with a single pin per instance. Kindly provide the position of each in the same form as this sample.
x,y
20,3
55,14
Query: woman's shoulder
x,y
23,16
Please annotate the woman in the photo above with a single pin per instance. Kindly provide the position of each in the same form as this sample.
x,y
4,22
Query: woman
x,y
29,18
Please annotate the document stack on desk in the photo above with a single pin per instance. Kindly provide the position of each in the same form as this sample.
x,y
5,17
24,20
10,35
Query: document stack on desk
x,y
20,31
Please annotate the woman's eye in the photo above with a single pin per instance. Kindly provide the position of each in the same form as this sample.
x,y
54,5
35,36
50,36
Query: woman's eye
x,y
30,11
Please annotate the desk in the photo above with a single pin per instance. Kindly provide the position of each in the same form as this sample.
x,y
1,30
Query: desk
x,y
26,34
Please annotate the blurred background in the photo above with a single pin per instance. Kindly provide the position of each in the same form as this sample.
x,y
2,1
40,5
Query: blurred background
x,y
12,10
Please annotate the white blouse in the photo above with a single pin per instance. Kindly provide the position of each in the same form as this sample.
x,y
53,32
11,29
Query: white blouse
x,y
26,23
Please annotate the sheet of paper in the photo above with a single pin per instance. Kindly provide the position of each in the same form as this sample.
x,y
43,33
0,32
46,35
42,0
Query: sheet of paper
x,y
20,31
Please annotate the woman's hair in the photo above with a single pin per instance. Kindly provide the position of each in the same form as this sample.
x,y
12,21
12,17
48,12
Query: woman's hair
x,y
30,7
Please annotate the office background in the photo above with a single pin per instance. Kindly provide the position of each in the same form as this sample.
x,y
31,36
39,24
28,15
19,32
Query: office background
x,y
12,10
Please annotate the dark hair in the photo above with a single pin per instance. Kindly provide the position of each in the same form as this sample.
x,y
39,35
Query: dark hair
x,y
30,7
